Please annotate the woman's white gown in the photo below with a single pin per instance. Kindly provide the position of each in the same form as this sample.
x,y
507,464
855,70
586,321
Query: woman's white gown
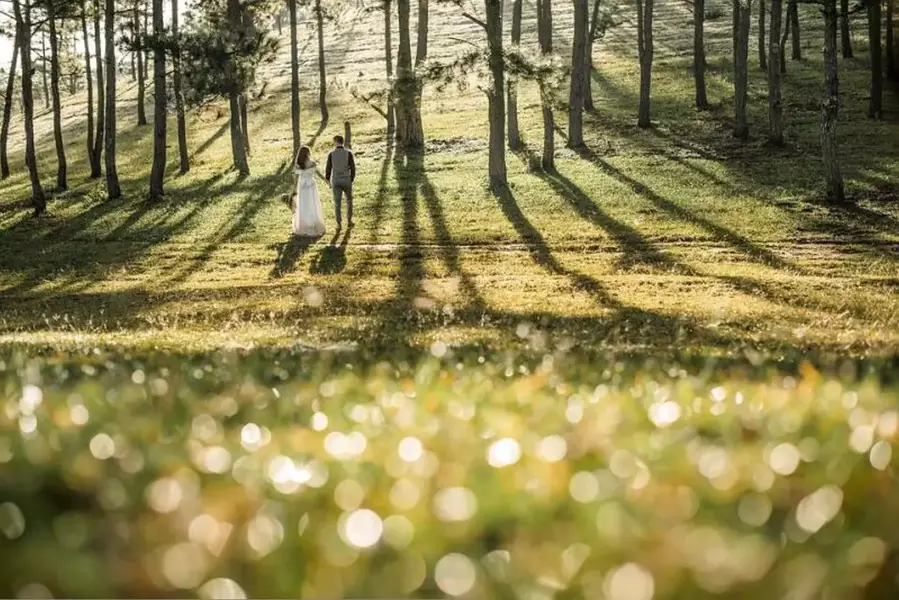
x,y
308,218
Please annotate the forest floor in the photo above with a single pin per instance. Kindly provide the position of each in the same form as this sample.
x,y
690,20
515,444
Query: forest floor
x,y
675,236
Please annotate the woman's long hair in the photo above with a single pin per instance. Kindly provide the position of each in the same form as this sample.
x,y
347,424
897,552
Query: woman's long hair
x,y
303,157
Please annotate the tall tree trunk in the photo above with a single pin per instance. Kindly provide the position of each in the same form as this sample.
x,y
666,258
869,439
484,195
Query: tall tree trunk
x,y
113,190
512,88
141,68
146,28
793,10
238,147
61,164
892,66
23,24
278,22
160,110
44,70
388,59
702,101
496,94
743,11
588,70
875,106
101,101
322,75
421,49
578,64
88,76
184,158
294,77
545,33
7,106
783,41
830,108
645,50
775,108
244,122
133,67
763,50
408,114
845,38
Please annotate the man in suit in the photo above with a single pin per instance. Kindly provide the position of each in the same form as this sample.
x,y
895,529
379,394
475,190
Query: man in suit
x,y
341,173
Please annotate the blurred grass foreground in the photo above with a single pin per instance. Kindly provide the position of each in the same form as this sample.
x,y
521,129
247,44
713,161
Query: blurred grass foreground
x,y
271,473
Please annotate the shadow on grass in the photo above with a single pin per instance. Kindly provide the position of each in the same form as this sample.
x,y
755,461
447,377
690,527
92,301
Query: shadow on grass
x,y
332,258
289,253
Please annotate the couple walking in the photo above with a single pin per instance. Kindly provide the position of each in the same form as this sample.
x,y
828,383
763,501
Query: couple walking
x,y
340,172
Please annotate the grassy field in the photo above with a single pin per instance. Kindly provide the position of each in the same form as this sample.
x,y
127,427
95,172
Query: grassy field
x,y
666,370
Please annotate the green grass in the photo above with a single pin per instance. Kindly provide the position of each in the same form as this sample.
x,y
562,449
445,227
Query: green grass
x,y
667,272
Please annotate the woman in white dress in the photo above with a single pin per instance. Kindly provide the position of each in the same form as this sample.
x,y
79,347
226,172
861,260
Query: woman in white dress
x,y
308,218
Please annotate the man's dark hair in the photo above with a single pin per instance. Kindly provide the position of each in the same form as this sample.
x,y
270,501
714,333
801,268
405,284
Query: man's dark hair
x,y
338,139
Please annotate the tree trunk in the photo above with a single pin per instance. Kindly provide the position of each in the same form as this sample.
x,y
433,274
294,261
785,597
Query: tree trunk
x,y
101,101
44,70
545,33
763,50
88,76
141,69
496,94
830,108
845,38
145,29
793,10
388,59
578,64
244,122
133,67
702,101
113,190
892,66
783,41
322,76
512,88
588,70
23,24
61,164
238,147
160,110
183,156
421,49
408,114
7,107
645,52
875,106
741,75
775,108
294,77
278,22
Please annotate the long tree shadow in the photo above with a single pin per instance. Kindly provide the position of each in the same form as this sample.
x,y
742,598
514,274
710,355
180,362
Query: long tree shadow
x,y
378,211
210,141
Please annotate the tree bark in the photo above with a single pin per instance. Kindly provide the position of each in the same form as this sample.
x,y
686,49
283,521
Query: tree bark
x,y
160,110
294,77
44,70
61,164
512,88
645,51
388,59
244,122
892,66
183,156
7,107
588,70
101,101
743,10
146,28
830,108
113,190
89,79
496,94
408,114
702,101
763,50
421,49
783,41
875,105
775,108
141,68
23,24
845,38
545,34
322,75
238,145
578,64
793,10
